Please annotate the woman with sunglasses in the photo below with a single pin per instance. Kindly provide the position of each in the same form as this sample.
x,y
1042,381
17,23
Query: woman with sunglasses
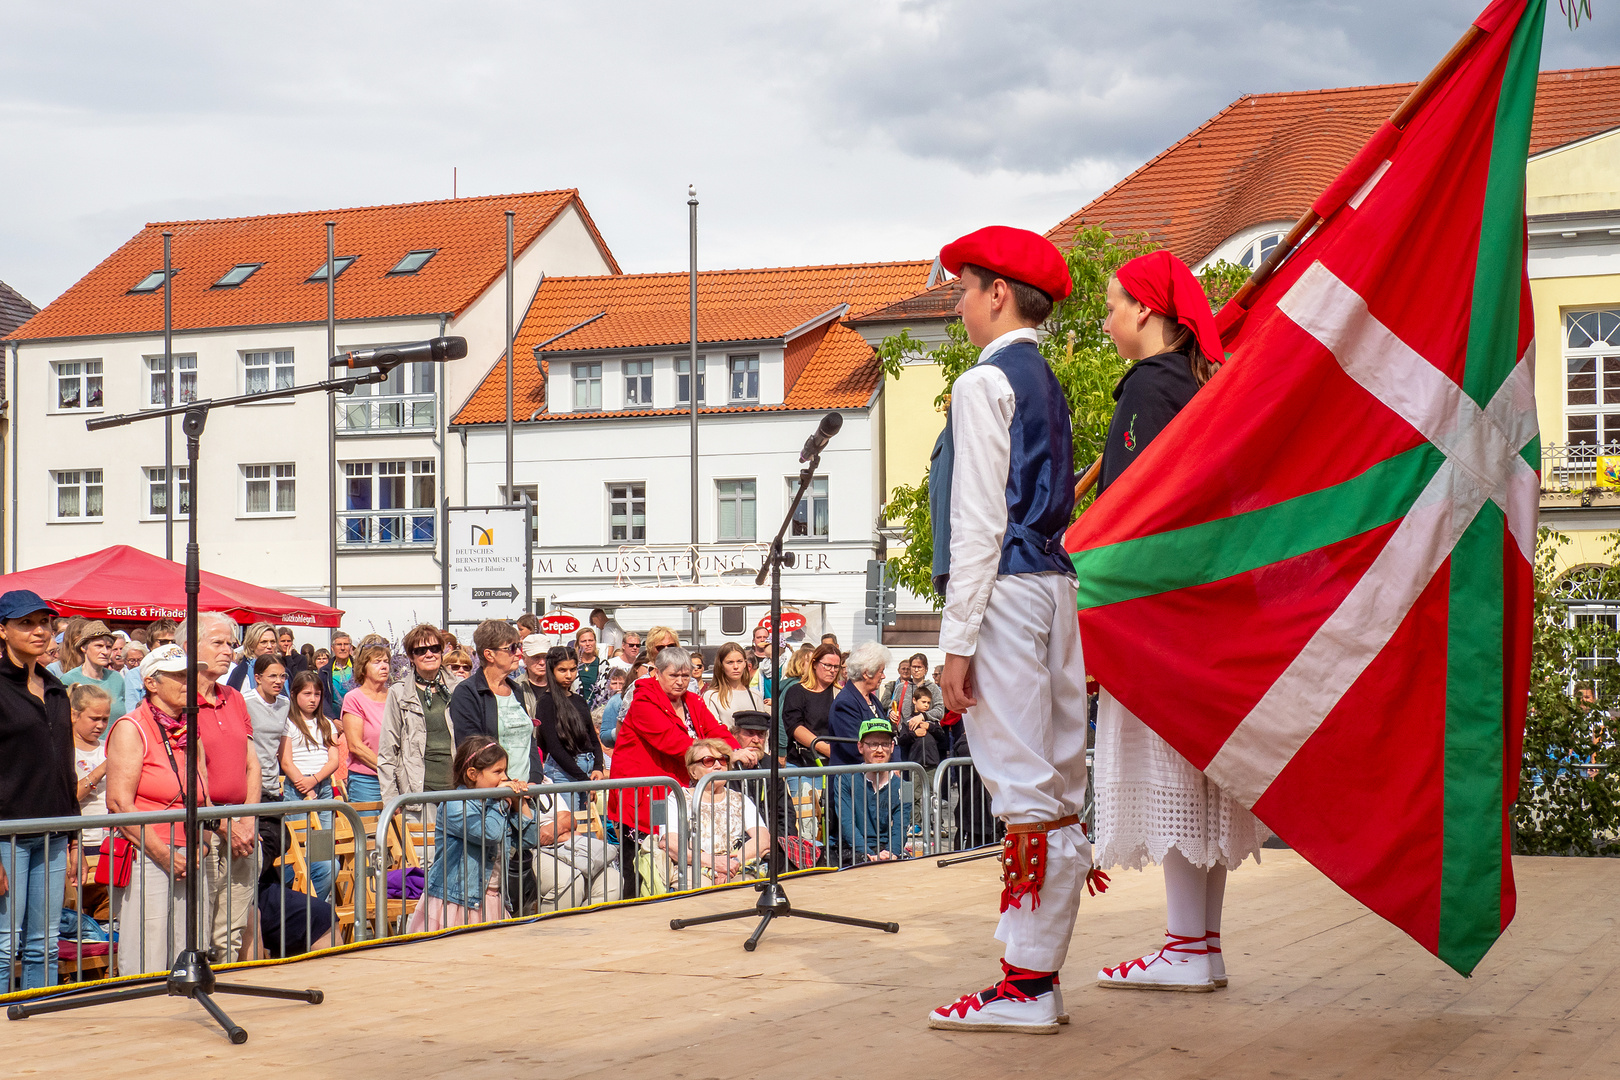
x,y
457,661
417,747
491,702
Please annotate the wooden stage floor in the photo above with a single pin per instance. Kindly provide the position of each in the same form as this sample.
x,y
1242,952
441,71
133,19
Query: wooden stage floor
x,y
1320,988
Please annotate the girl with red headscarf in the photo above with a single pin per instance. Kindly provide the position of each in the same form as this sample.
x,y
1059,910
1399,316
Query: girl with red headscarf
x,y
1151,804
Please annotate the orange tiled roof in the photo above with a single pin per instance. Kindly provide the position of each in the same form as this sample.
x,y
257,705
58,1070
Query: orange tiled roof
x,y
650,311
1265,157
470,235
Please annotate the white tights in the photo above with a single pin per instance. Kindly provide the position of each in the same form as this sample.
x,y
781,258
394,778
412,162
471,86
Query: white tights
x,y
1193,896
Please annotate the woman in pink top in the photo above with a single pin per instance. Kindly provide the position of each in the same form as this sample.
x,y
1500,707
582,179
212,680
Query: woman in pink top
x,y
363,709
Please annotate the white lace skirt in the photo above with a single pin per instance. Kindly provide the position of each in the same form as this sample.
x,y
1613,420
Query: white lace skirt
x,y
1150,799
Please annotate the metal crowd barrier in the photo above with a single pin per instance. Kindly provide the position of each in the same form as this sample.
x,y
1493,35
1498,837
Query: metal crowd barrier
x,y
583,869
827,835
963,815
147,906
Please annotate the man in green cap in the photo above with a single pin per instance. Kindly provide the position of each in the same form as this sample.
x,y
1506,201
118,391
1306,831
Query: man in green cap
x,y
874,812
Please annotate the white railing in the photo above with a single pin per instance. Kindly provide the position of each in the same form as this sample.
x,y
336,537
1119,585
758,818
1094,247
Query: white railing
x,y
374,415
387,528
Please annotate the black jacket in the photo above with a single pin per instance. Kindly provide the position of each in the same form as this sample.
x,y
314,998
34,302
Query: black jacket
x,y
472,712
37,779
555,747
1147,397
927,750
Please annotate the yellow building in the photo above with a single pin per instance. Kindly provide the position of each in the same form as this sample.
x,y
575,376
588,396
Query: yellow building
x,y
1573,203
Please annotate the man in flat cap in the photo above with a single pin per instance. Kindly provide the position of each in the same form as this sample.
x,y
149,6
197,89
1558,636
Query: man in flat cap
x,y
1001,493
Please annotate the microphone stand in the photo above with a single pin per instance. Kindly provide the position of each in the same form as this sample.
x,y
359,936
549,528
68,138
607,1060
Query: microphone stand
x,y
773,901
192,976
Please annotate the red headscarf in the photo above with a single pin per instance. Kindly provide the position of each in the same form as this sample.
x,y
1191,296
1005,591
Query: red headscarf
x,y
1162,283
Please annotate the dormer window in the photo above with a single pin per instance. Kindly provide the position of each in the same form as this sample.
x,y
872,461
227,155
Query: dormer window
x,y
152,282
341,263
236,275
1257,249
413,262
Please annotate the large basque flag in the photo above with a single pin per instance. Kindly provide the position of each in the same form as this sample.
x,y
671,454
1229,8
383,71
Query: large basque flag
x,y
1316,583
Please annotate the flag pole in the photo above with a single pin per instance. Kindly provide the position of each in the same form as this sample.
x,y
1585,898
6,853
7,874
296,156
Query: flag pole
x,y
1399,119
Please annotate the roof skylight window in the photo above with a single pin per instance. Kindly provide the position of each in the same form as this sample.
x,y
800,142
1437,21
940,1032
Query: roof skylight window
x,y
236,275
414,261
152,282
341,263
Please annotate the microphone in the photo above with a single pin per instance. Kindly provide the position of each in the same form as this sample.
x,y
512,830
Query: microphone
x,y
816,443
438,349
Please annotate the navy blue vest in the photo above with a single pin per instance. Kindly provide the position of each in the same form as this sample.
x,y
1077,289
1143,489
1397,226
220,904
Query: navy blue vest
x,y
1040,479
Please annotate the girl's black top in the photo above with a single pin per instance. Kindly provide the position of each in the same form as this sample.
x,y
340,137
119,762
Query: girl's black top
x,y
1147,398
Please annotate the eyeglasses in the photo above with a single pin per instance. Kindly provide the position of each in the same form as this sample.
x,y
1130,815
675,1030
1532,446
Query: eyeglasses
x,y
830,665
427,650
712,762
514,648
460,667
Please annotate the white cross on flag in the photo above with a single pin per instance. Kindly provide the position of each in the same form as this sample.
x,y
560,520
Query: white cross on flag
x,y
1315,584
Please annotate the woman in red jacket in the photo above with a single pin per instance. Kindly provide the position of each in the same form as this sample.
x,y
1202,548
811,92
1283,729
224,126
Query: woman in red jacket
x,y
664,719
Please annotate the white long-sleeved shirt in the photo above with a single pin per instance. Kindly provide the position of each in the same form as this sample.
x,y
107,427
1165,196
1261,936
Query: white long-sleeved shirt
x,y
982,406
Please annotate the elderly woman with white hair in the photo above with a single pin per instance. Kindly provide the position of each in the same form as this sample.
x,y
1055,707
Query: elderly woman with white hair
x,y
858,701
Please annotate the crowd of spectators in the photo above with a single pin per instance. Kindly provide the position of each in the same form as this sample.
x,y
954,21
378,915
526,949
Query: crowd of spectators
x,y
91,721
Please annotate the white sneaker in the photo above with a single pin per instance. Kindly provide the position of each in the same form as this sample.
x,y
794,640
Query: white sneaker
x,y
1217,964
1182,964
1002,1007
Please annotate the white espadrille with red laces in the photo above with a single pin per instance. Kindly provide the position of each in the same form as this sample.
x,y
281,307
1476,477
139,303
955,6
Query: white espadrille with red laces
x,y
1217,963
1182,964
1013,1004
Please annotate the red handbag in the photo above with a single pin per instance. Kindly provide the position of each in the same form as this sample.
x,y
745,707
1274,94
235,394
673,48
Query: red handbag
x,y
117,862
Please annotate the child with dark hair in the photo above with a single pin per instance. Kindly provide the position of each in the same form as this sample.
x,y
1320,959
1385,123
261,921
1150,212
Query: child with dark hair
x,y
473,839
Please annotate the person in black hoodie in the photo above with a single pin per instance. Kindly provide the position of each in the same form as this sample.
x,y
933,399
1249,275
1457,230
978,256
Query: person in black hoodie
x,y
36,781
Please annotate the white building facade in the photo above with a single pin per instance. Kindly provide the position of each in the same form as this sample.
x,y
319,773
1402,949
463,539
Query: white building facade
x,y
249,299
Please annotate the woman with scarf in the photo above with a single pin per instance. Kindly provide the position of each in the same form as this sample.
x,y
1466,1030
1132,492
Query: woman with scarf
x,y
1151,804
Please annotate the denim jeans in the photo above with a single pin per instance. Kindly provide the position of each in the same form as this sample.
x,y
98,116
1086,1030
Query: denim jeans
x,y
577,800
363,787
320,873
31,909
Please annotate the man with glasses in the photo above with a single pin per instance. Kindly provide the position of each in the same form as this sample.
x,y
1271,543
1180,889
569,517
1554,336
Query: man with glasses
x,y
416,745
629,650
338,677
874,810
160,632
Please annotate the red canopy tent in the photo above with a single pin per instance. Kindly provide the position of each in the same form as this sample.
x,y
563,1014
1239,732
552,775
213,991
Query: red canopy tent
x,y
122,582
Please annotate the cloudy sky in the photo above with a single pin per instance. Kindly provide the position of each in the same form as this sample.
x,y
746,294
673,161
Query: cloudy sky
x,y
830,131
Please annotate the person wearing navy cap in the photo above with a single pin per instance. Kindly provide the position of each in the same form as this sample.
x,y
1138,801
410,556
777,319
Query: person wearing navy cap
x,y
1001,494
36,781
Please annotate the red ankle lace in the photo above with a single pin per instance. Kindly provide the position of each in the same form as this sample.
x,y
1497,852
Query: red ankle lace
x,y
1176,944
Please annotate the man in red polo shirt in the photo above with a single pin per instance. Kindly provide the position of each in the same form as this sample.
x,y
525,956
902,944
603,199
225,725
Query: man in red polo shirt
x,y
234,777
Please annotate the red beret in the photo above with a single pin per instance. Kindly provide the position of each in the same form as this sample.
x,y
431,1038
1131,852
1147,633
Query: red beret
x,y
1015,253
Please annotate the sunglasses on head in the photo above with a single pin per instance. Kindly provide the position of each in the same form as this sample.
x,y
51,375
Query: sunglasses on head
x,y
427,650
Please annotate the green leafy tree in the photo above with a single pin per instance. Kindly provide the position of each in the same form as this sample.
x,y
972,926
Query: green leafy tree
x,y
1082,357
1569,795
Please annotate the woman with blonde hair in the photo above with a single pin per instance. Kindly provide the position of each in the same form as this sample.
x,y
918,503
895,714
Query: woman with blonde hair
x,y
729,838
731,691
362,715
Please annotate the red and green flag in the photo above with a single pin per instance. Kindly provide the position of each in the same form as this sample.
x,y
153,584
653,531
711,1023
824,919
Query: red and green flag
x,y
1316,584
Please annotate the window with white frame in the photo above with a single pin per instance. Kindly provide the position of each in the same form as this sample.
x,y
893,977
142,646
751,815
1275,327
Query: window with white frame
x,y
1255,252
1592,377
532,493
683,381
78,384
403,401
78,494
638,390
744,377
185,380
157,491
269,489
587,387
267,369
810,516
389,502
736,521
627,512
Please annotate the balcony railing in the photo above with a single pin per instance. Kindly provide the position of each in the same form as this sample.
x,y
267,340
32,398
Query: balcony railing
x,y
1570,468
387,529
383,415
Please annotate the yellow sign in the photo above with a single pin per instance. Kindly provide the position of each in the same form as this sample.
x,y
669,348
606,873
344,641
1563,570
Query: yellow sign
x,y
1608,472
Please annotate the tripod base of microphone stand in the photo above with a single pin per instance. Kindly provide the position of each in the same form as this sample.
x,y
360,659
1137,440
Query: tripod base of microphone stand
x,y
192,977
774,904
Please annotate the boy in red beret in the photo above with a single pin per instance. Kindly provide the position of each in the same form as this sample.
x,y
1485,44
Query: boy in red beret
x,y
1001,493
